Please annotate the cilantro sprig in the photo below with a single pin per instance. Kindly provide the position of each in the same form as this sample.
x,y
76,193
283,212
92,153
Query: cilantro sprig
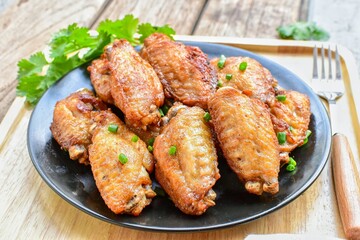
x,y
73,46
303,31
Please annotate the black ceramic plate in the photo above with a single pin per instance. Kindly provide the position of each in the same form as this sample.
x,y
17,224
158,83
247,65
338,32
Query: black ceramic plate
x,y
74,182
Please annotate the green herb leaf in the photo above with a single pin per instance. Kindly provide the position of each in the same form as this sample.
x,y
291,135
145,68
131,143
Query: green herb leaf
x,y
146,29
303,31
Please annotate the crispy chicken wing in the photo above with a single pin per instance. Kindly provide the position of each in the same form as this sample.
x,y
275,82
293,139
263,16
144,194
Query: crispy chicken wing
x,y
72,121
189,173
247,139
292,117
255,81
125,187
183,70
100,78
135,87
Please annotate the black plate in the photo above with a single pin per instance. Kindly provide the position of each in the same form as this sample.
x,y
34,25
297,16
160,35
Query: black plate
x,y
74,182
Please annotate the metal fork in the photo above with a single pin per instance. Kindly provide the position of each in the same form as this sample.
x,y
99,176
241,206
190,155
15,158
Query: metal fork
x,y
328,88
344,174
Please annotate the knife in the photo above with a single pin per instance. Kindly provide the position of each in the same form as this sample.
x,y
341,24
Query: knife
x,y
347,185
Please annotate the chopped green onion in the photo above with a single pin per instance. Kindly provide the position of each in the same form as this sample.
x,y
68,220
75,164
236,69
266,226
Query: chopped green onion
x,y
281,98
123,158
221,62
291,129
161,112
281,136
151,141
228,76
113,128
292,161
150,148
165,109
207,116
219,84
290,167
172,150
134,138
243,66
308,133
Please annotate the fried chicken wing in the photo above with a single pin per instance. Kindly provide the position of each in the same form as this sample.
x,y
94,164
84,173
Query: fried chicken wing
x,y
101,78
247,139
292,117
135,87
72,121
255,81
183,70
189,172
124,186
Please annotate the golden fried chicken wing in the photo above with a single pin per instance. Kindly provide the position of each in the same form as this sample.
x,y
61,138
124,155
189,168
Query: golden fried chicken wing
x,y
100,78
135,87
255,81
120,166
290,115
183,70
247,139
72,121
186,161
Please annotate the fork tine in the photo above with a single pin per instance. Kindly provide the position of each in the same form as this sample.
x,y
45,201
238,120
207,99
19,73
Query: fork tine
x,y
315,70
337,64
329,58
322,63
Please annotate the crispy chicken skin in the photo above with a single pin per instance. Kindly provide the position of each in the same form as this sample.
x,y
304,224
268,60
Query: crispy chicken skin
x,y
100,78
189,175
72,121
247,139
294,112
255,81
183,70
125,188
135,87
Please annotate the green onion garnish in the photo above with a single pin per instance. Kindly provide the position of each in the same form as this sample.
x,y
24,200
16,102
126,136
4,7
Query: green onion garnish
x,y
151,141
165,109
281,98
228,76
292,161
113,128
134,138
281,136
207,116
161,112
308,133
172,150
243,66
123,158
219,84
150,148
291,129
221,61
290,167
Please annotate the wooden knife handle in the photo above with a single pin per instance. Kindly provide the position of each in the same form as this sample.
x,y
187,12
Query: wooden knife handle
x,y
347,186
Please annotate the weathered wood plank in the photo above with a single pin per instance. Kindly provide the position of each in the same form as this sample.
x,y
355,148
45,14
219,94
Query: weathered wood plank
x,y
25,28
248,18
158,12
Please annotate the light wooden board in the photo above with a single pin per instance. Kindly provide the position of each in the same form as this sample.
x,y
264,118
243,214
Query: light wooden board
x,y
43,214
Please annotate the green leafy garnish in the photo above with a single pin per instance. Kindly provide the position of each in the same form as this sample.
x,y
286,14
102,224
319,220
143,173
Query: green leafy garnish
x,y
291,165
308,133
303,31
73,46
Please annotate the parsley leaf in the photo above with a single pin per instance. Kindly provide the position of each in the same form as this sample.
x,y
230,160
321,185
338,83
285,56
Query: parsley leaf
x,y
303,31
146,29
73,46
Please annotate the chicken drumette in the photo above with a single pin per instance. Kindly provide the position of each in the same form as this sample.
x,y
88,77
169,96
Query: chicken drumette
x,y
247,139
186,160
72,121
183,70
120,165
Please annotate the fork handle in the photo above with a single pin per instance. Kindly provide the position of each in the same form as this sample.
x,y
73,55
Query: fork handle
x,y
347,185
